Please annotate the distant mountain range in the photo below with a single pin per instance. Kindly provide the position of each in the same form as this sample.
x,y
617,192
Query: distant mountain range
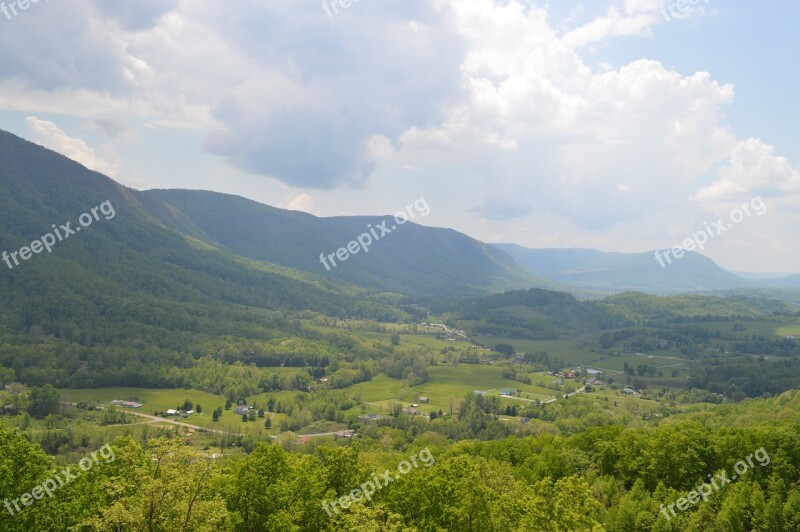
x,y
205,246
591,269
212,248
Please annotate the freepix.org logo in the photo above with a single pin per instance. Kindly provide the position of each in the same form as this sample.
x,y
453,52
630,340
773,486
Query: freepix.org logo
x,y
59,480
10,10
59,234
711,231
364,241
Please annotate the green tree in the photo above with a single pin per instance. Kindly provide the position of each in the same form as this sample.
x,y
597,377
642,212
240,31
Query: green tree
x,y
43,401
274,490
168,486
22,465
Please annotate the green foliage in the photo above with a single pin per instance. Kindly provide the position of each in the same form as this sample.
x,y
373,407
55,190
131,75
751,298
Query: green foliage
x,y
43,401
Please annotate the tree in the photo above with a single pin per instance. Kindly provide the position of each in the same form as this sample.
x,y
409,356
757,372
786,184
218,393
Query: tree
x,y
215,415
268,423
187,405
244,418
22,464
43,401
228,404
198,409
271,489
167,486
505,349
395,339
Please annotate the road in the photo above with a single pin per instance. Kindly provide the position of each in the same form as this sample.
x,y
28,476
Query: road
x,y
171,421
576,392
204,429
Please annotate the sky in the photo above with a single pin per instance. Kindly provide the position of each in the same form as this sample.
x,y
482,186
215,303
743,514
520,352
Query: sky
x,y
621,125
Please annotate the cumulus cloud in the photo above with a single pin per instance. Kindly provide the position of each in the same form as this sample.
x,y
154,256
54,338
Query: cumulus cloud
x,y
491,98
753,168
50,136
303,202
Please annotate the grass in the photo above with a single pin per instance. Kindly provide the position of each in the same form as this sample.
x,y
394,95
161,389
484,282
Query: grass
x,y
618,363
452,383
566,350
162,400
380,388
788,330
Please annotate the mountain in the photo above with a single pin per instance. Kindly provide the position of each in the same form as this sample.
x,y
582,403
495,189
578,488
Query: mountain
x,y
104,285
127,250
539,314
410,259
127,299
620,272
791,281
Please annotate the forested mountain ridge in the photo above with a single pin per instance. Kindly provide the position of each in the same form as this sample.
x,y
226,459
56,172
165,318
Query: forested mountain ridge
x,y
127,297
424,262
619,272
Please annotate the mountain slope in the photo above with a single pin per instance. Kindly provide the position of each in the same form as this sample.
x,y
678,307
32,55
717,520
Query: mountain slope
x,y
792,281
619,272
411,259
127,298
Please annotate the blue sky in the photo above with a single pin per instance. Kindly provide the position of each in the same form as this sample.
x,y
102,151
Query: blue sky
x,y
597,124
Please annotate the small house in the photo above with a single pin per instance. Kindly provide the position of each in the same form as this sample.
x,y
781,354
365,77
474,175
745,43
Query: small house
x,y
424,400
241,409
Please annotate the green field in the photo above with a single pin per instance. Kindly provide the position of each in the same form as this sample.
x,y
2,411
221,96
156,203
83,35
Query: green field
x,y
768,329
566,350
452,383
618,363
446,385
788,330
161,400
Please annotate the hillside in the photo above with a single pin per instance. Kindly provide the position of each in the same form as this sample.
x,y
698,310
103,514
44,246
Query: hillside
x,y
412,259
620,272
127,292
543,314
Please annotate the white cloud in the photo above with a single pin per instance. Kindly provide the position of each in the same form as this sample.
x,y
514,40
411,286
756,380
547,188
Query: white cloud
x,y
303,202
753,169
491,101
50,136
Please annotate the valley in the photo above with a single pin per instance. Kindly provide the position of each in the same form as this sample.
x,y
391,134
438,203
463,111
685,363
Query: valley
x,y
220,371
